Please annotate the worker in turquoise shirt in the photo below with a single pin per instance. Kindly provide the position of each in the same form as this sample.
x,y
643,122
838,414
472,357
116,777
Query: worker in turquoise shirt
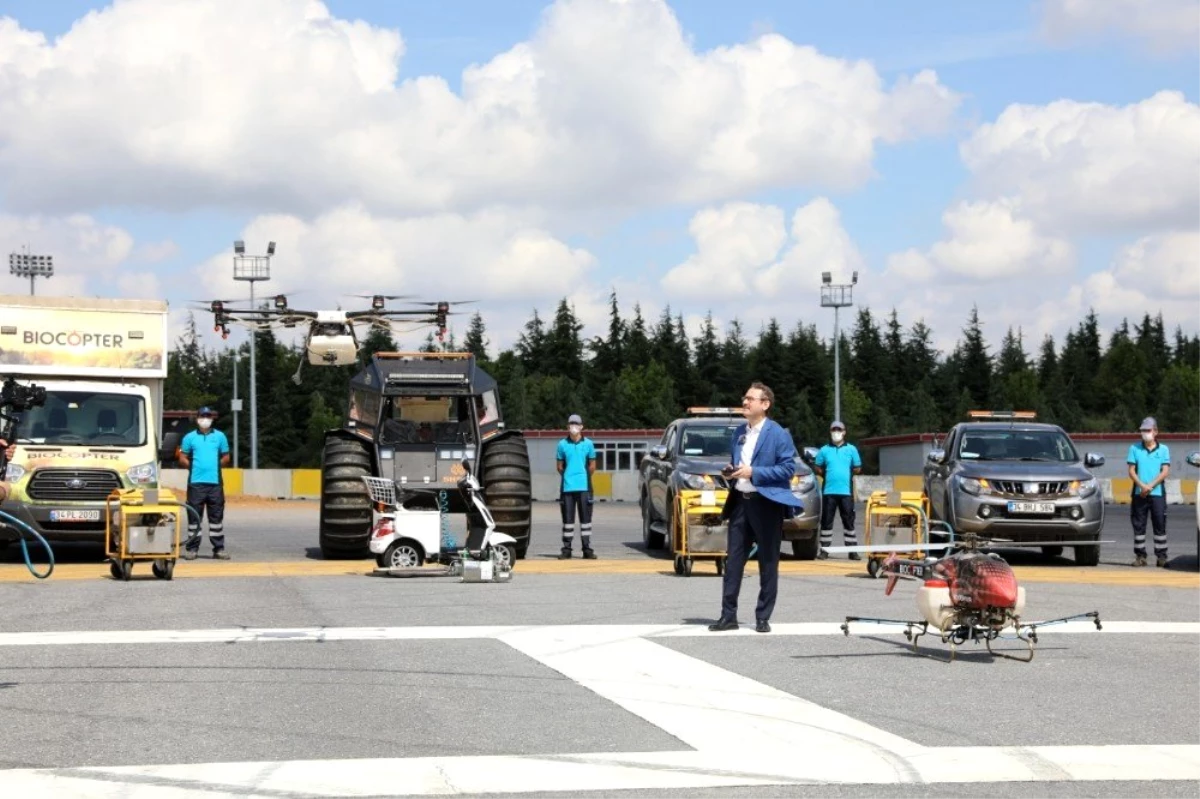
x,y
576,461
837,462
1149,464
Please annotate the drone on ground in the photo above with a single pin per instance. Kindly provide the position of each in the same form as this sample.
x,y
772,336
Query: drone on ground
x,y
969,594
331,338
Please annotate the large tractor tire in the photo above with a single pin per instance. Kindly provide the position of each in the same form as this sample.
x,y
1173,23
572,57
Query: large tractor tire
x,y
508,488
345,527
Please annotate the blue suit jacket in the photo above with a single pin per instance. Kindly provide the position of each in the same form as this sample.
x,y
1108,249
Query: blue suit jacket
x,y
773,462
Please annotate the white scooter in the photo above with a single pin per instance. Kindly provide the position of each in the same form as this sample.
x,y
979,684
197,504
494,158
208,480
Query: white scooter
x,y
404,540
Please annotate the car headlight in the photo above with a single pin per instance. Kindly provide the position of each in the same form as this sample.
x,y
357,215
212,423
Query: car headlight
x,y
802,484
974,486
13,472
143,474
696,482
1084,488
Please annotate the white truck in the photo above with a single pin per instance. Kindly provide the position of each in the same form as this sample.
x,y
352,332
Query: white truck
x,y
102,363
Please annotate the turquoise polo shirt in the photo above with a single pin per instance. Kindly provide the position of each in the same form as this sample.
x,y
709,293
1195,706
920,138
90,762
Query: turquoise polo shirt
x,y
575,455
1149,463
838,462
205,451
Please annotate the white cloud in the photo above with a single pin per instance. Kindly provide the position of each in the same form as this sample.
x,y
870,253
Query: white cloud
x,y
286,107
1160,26
1162,267
155,251
987,241
87,254
1090,167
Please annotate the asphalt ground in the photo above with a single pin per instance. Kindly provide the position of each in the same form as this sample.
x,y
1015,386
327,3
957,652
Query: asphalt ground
x,y
70,703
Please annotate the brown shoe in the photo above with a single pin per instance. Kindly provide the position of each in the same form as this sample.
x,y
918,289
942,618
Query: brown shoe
x,y
1162,562
1140,560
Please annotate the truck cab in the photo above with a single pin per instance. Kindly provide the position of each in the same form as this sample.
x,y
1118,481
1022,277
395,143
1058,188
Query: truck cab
x,y
102,365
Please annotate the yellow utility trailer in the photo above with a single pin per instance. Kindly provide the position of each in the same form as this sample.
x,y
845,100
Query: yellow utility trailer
x,y
895,517
143,524
698,532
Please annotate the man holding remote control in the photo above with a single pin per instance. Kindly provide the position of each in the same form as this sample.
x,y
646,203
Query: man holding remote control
x,y
762,462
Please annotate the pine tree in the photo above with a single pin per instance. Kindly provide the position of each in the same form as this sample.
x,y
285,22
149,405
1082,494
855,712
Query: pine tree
x,y
563,346
975,363
476,341
708,362
531,346
637,344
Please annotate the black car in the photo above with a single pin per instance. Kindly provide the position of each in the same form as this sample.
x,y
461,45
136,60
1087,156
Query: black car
x,y
690,456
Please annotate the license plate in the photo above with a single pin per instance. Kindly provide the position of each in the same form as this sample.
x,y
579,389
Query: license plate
x,y
1031,507
74,515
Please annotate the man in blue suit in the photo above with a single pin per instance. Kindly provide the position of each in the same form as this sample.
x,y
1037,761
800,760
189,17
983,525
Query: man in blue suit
x,y
762,462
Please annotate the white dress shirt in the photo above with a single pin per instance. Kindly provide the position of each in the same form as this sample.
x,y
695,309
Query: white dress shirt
x,y
752,431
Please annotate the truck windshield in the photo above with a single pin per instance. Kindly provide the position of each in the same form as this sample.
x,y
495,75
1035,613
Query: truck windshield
x,y
85,417
706,441
1017,445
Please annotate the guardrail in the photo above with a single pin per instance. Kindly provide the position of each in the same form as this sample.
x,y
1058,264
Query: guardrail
x,y
607,486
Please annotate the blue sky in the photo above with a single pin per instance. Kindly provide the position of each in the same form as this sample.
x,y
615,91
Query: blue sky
x,y
1041,233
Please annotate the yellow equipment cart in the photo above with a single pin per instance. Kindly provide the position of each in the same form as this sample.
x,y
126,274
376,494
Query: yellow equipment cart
x,y
895,517
697,531
143,524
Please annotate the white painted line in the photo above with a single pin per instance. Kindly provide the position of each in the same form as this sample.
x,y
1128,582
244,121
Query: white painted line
x,y
598,632
742,733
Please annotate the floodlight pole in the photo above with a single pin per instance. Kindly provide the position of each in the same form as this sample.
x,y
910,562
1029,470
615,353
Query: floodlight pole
x,y
837,297
31,266
252,268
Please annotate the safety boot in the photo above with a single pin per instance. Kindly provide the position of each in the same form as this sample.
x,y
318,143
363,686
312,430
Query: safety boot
x,y
566,554
589,554
855,556
1140,560
1162,562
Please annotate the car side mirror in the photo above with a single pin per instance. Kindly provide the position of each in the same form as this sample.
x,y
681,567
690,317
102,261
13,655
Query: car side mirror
x,y
1194,459
1093,459
936,456
809,456
658,451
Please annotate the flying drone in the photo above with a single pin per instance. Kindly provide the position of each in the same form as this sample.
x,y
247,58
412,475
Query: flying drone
x,y
970,594
331,339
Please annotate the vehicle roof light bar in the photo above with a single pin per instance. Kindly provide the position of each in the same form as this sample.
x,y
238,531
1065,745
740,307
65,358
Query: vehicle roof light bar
x,y
1002,414
704,410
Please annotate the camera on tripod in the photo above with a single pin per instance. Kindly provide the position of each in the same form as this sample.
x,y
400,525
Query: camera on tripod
x,y
16,398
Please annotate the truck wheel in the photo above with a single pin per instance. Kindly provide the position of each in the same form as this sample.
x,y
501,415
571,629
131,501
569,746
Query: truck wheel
x,y
508,488
1052,551
805,548
653,541
345,525
1087,555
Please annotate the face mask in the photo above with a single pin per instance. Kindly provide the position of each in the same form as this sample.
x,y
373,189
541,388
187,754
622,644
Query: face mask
x,y
204,424
1147,437
837,437
575,429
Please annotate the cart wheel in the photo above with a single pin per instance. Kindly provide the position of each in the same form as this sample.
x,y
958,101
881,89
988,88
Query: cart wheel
x,y
873,567
402,554
679,564
504,557
720,566
126,569
163,569
114,568
687,567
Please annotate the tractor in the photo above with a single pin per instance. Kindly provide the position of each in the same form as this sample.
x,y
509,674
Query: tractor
x,y
414,417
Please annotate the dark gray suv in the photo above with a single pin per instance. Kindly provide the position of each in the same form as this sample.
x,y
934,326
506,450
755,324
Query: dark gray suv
x,y
1019,480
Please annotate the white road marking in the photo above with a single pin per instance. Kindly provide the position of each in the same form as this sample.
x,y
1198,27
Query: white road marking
x,y
742,732
599,631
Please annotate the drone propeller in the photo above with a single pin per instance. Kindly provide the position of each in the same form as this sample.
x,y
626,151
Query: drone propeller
x,y
384,296
969,543
442,302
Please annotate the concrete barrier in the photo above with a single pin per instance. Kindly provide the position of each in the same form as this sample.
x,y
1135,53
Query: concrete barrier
x,y
608,486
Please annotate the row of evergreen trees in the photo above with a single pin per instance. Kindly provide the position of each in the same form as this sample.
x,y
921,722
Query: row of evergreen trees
x,y
641,375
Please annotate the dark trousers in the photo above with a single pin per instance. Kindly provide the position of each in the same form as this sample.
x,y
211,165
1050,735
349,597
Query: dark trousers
x,y
206,498
842,504
754,520
576,502
1156,509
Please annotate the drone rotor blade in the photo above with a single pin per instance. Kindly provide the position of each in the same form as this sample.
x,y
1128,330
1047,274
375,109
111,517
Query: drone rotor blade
x,y
889,548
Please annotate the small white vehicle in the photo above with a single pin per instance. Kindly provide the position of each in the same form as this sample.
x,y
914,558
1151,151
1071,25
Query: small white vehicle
x,y
404,540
